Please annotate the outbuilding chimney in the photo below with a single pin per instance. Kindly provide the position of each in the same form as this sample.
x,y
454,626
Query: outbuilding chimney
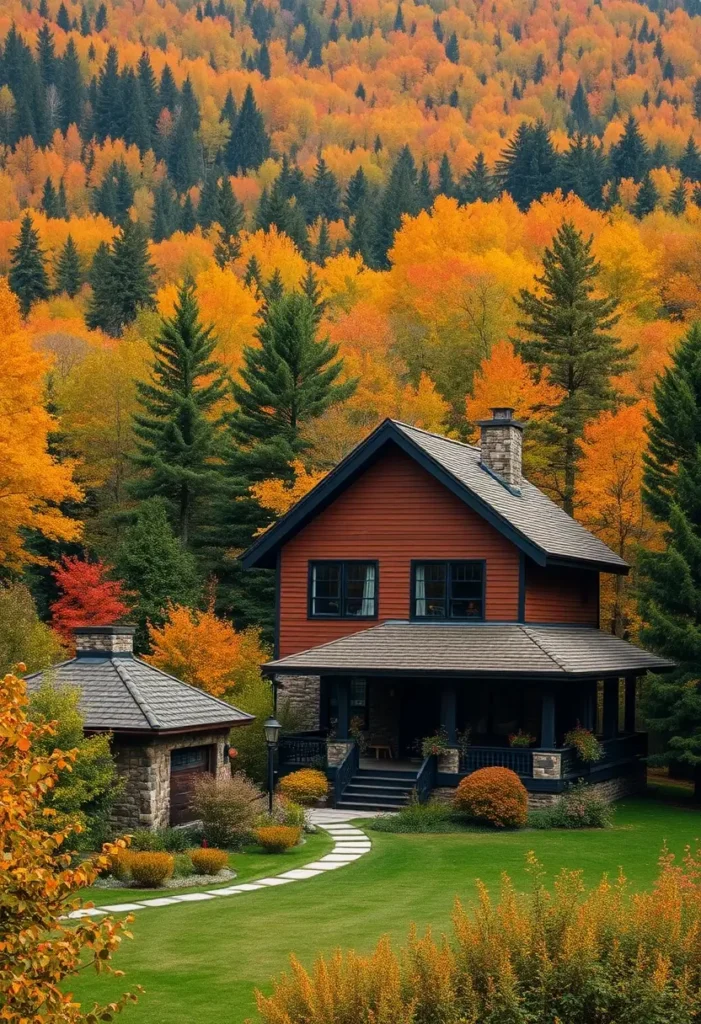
x,y
93,641
502,446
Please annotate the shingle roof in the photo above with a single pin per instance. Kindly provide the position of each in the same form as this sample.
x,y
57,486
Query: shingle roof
x,y
530,519
475,649
123,693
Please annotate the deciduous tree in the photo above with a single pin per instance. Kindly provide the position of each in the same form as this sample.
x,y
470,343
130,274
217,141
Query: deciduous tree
x,y
89,597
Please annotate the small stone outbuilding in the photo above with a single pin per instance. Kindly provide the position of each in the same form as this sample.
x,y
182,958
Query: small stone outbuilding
x,y
165,733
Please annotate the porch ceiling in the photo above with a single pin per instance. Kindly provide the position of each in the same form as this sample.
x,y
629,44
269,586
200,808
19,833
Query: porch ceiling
x,y
474,649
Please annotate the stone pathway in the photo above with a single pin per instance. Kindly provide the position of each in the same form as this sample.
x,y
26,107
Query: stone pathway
x,y
350,844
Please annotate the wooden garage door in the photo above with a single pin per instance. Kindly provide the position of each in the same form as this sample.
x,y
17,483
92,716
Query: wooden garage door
x,y
186,766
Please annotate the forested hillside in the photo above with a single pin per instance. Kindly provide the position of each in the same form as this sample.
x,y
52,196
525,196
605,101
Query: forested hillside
x,y
389,187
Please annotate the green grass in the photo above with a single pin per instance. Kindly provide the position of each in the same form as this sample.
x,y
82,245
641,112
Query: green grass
x,y
201,962
249,864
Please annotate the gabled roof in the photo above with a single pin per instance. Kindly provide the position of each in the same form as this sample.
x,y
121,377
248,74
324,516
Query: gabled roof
x,y
530,520
502,650
121,693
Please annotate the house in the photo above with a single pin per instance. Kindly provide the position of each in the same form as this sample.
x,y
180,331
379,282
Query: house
x,y
165,733
426,585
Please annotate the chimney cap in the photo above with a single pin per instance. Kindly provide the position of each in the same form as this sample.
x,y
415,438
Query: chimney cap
x,y
104,630
502,416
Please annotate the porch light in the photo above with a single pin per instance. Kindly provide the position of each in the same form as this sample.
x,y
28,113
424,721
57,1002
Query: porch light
x,y
271,728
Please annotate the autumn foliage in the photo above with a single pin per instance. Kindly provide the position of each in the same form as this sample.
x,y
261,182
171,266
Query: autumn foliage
x,y
89,597
39,951
277,838
495,796
305,786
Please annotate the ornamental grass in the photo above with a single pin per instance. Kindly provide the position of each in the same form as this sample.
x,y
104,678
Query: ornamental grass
x,y
563,956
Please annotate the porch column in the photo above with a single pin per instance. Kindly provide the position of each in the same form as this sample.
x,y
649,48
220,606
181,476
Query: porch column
x,y
610,708
449,713
343,696
630,705
587,706
547,720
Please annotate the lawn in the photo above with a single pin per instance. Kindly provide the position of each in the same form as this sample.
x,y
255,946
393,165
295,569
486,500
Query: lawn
x,y
202,962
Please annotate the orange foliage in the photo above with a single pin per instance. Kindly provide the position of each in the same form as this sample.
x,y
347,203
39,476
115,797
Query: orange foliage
x,y
279,496
495,796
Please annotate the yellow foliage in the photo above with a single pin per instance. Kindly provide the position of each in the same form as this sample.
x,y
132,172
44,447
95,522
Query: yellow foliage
x,y
279,496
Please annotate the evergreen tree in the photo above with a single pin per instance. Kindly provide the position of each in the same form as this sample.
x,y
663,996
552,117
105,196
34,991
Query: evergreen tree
x,y
360,92
168,95
62,19
263,61
647,197
583,171
274,290
325,193
566,330
177,433
208,208
452,48
231,221
249,144
122,280
322,249
539,69
478,183
85,26
356,192
670,580
123,192
363,240
70,88
46,56
528,167
188,217
101,18
677,200
690,161
184,161
630,157
424,188
108,109
27,277
697,99
137,120
104,197
61,201
292,378
154,565
49,199
399,20
446,182
400,196
579,109
165,215
253,275
102,309
69,274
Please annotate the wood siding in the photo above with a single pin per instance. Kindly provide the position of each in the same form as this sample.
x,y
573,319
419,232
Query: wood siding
x,y
556,594
393,513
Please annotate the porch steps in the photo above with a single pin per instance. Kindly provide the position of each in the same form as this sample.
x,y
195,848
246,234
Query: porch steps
x,y
373,789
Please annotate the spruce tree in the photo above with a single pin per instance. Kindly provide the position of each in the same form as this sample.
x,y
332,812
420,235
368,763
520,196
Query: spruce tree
x,y
400,196
567,331
363,240
677,200
69,273
49,200
249,144
452,49
108,110
322,249
583,171
165,215
154,565
27,277
188,217
670,580
70,88
46,55
425,188
122,278
325,193
208,207
177,433
231,221
446,182
149,89
690,161
478,183
356,192
630,157
168,95
647,197
102,312
579,109
529,167
61,201
62,19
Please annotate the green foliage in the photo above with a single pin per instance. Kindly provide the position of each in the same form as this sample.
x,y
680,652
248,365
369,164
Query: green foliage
x,y
228,809
28,278
578,807
529,166
24,638
69,275
249,144
122,279
89,790
182,865
585,743
431,817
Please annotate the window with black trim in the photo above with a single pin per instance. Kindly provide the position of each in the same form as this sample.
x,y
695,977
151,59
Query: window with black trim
x,y
448,590
343,590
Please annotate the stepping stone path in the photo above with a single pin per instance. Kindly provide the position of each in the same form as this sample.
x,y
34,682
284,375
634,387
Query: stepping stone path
x,y
350,844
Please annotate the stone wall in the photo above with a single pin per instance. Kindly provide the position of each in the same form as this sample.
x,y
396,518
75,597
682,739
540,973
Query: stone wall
x,y
145,767
105,643
501,446
302,694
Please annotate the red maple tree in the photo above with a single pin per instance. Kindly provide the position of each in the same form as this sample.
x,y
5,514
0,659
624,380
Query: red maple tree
x,y
89,598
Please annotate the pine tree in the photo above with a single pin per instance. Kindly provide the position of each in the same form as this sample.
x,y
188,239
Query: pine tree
x,y
249,144
62,19
697,98
425,188
399,20
61,201
184,162
123,193
274,290
446,182
630,157
102,311
168,95
208,208
322,249
360,92
70,88
292,378
154,565
69,274
579,109
122,281
253,275
452,48
231,221
49,199
108,109
325,193
566,330
400,196
356,192
690,161
28,278
677,200
583,171
188,217
363,240
478,183
177,433
647,197
46,55
539,69
85,26
164,218
263,61
670,580
529,167
101,18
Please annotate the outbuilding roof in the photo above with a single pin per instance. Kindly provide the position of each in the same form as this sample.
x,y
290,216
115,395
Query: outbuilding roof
x,y
529,519
506,650
121,693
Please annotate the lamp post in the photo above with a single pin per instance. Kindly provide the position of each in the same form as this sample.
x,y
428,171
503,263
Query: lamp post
x,y
271,728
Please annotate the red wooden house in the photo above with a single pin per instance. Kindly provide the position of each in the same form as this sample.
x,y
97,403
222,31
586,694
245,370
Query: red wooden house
x,y
425,586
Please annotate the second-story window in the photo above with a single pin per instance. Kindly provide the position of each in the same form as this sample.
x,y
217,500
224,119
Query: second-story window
x,y
343,590
448,590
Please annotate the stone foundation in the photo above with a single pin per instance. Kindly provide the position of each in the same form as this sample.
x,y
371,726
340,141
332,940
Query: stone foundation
x,y
144,765
610,791
336,751
302,695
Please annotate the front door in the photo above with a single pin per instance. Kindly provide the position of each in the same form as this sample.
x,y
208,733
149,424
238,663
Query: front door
x,y
419,716
186,766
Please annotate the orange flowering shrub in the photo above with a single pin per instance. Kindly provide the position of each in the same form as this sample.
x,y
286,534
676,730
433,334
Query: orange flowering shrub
x,y
209,860
305,786
562,953
39,950
494,795
278,838
150,869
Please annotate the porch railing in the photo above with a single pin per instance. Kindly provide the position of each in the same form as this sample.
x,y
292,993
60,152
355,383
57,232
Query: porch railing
x,y
426,778
520,759
302,750
342,774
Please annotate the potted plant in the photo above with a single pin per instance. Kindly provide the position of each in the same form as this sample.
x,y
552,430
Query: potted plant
x,y
521,739
585,743
436,744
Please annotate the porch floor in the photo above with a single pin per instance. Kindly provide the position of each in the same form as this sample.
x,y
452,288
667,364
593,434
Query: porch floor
x,y
387,764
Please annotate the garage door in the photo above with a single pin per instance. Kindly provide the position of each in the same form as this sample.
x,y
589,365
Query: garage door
x,y
186,766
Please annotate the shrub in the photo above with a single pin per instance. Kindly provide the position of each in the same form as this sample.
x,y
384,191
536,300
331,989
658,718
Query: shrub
x,y
521,739
430,817
493,795
572,954
150,868
182,865
284,812
145,839
179,840
120,865
209,861
278,838
585,743
435,744
578,807
305,786
228,809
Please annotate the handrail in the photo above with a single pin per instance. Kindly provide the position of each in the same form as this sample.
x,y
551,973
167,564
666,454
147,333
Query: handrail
x,y
345,771
426,778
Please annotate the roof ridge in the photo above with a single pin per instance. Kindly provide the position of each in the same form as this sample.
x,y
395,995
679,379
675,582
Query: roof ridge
x,y
528,630
439,437
134,692
189,686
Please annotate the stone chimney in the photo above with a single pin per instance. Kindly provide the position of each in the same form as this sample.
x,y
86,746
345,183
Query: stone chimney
x,y
502,444
93,641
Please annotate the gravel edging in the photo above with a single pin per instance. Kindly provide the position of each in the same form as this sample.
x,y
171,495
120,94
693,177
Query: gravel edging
x,y
181,882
